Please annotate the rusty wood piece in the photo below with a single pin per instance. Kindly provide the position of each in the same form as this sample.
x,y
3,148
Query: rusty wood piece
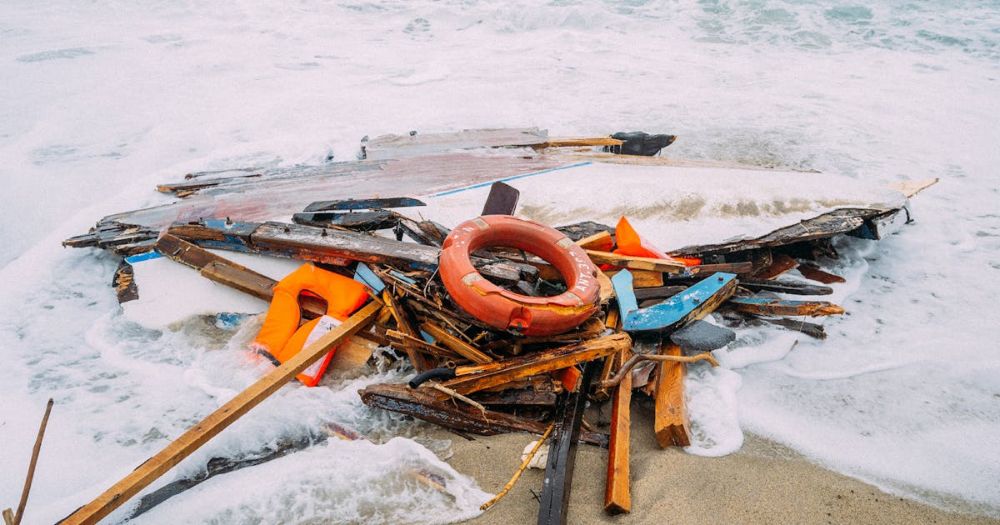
x,y
558,482
19,515
617,494
815,273
418,361
601,241
517,474
636,359
474,378
671,424
780,263
766,306
218,420
455,344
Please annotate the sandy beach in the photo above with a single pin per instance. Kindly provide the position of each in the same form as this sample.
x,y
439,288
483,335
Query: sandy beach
x,y
762,483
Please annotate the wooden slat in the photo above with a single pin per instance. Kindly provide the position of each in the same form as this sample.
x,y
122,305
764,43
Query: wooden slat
x,y
617,494
217,421
815,273
767,306
671,424
575,142
642,278
780,263
403,324
600,241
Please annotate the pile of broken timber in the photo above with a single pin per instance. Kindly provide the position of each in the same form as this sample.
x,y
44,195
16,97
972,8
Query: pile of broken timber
x,y
471,378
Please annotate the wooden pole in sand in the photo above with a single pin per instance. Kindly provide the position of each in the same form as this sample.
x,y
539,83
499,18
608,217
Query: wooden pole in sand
x,y
31,465
212,425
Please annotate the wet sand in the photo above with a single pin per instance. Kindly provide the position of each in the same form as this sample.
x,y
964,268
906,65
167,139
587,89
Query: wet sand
x,y
763,483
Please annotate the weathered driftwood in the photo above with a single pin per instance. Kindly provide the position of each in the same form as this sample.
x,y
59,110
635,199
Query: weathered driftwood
x,y
558,481
218,420
617,494
405,326
780,263
768,306
124,283
635,263
811,329
456,344
520,470
474,378
26,489
670,424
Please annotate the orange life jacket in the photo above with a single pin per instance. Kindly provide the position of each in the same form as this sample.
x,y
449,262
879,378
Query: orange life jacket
x,y
281,337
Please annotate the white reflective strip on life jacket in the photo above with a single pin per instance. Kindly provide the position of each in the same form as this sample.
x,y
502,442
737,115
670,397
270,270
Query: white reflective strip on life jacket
x,y
325,324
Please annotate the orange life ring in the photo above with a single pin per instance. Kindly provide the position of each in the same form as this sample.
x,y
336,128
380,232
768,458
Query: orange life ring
x,y
281,337
508,310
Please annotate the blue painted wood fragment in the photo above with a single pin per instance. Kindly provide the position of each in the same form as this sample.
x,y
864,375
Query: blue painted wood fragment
x,y
364,275
672,311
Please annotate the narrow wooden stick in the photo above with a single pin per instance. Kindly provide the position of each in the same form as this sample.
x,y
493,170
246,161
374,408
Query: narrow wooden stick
x,y
8,517
31,465
520,470
217,421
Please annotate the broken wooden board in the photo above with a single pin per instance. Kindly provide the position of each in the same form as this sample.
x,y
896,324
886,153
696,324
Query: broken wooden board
x,y
617,492
694,303
217,421
636,263
558,482
474,378
671,425
789,287
780,263
815,273
770,306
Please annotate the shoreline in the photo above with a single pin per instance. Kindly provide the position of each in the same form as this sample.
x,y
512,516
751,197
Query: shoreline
x,y
764,482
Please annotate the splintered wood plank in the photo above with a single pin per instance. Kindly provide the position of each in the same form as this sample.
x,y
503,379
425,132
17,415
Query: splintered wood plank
x,y
417,359
767,306
457,345
575,142
617,494
670,423
475,378
217,421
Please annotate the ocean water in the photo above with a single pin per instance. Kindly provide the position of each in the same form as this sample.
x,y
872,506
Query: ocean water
x,y
101,100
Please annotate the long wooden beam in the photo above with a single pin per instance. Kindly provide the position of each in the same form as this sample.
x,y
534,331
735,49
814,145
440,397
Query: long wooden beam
x,y
768,306
217,421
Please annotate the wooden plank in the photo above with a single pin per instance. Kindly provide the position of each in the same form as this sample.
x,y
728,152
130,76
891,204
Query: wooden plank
x,y
617,493
671,424
419,362
600,241
768,306
576,142
455,344
641,278
636,263
474,378
218,420
558,481
694,303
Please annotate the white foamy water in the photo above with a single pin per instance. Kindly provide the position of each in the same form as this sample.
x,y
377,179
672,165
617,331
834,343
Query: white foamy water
x,y
101,100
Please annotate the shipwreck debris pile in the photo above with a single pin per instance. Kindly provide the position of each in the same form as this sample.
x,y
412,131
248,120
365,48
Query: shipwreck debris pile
x,y
508,324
